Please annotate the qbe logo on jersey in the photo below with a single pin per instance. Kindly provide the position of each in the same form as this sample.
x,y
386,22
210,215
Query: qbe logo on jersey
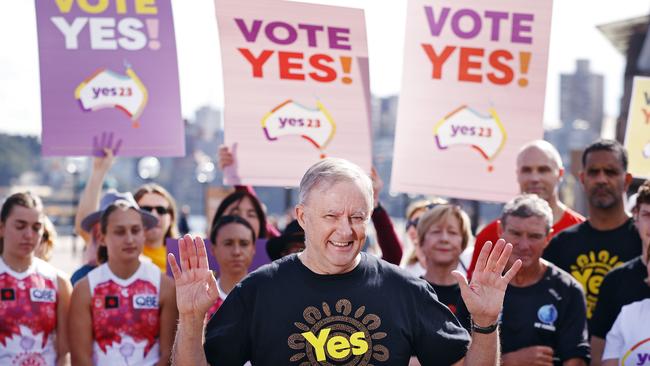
x,y
145,302
42,295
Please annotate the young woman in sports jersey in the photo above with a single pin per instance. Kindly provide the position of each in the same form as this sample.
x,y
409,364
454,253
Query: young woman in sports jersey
x,y
124,311
151,197
34,296
233,246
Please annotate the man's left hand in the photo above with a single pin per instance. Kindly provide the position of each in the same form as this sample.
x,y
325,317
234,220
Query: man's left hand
x,y
484,295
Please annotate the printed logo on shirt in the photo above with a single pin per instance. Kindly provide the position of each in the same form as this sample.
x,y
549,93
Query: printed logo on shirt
x,y
547,315
111,302
42,295
8,294
638,355
145,301
589,270
342,336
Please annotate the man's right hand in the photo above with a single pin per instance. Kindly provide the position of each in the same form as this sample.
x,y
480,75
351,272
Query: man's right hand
x,y
529,356
196,287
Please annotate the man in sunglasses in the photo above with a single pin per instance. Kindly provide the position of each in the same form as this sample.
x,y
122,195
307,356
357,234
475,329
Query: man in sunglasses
x,y
539,171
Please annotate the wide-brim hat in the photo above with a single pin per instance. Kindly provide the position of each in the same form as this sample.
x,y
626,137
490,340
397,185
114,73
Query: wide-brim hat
x,y
293,233
124,198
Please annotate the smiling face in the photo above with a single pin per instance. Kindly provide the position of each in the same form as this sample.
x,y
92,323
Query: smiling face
x,y
528,238
334,217
604,179
124,236
151,202
442,243
234,249
21,232
538,173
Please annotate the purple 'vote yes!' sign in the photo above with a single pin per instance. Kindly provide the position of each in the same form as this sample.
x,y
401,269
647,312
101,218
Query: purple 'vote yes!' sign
x,y
109,67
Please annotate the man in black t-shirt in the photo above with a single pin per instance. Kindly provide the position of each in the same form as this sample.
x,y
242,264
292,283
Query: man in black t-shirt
x,y
543,321
625,284
332,304
608,238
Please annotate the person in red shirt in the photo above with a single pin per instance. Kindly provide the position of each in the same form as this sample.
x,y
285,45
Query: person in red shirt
x,y
539,171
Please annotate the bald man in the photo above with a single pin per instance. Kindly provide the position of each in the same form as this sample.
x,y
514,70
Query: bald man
x,y
539,171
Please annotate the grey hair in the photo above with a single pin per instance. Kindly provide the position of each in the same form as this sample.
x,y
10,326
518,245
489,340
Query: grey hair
x,y
333,170
547,148
528,205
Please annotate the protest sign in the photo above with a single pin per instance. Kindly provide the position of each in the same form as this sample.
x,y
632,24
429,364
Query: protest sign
x,y
637,134
296,88
109,67
472,94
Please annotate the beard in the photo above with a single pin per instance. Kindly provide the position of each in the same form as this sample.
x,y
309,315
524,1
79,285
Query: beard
x,y
603,201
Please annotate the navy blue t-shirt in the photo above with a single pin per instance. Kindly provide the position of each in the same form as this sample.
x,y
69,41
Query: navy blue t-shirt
x,y
376,314
550,312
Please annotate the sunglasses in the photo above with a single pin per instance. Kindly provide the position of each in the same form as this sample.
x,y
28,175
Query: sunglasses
x,y
161,210
414,222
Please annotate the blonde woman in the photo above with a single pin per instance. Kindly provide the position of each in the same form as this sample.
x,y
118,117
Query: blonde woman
x,y
443,233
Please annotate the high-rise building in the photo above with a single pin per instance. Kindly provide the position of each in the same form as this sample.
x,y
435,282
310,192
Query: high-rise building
x,y
581,97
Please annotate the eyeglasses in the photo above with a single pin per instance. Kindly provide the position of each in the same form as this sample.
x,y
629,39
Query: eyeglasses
x,y
161,210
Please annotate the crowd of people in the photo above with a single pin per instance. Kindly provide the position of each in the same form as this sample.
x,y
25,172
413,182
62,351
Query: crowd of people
x,y
539,285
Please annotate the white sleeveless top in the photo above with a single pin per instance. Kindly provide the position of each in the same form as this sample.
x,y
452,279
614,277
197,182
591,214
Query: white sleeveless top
x,y
28,320
125,316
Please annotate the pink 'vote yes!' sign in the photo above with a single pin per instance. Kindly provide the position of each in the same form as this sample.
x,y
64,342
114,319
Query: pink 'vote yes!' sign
x,y
296,88
472,94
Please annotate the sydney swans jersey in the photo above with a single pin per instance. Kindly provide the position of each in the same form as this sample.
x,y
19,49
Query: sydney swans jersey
x,y
125,316
376,314
28,303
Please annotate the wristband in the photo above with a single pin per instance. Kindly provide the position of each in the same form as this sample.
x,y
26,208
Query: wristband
x,y
484,330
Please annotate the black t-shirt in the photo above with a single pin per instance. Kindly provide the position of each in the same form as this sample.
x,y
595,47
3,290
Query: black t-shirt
x,y
589,254
623,285
450,296
285,314
549,313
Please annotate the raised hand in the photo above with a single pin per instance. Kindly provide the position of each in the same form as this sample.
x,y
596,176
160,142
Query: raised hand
x,y
104,151
227,162
484,295
377,185
196,287
225,158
